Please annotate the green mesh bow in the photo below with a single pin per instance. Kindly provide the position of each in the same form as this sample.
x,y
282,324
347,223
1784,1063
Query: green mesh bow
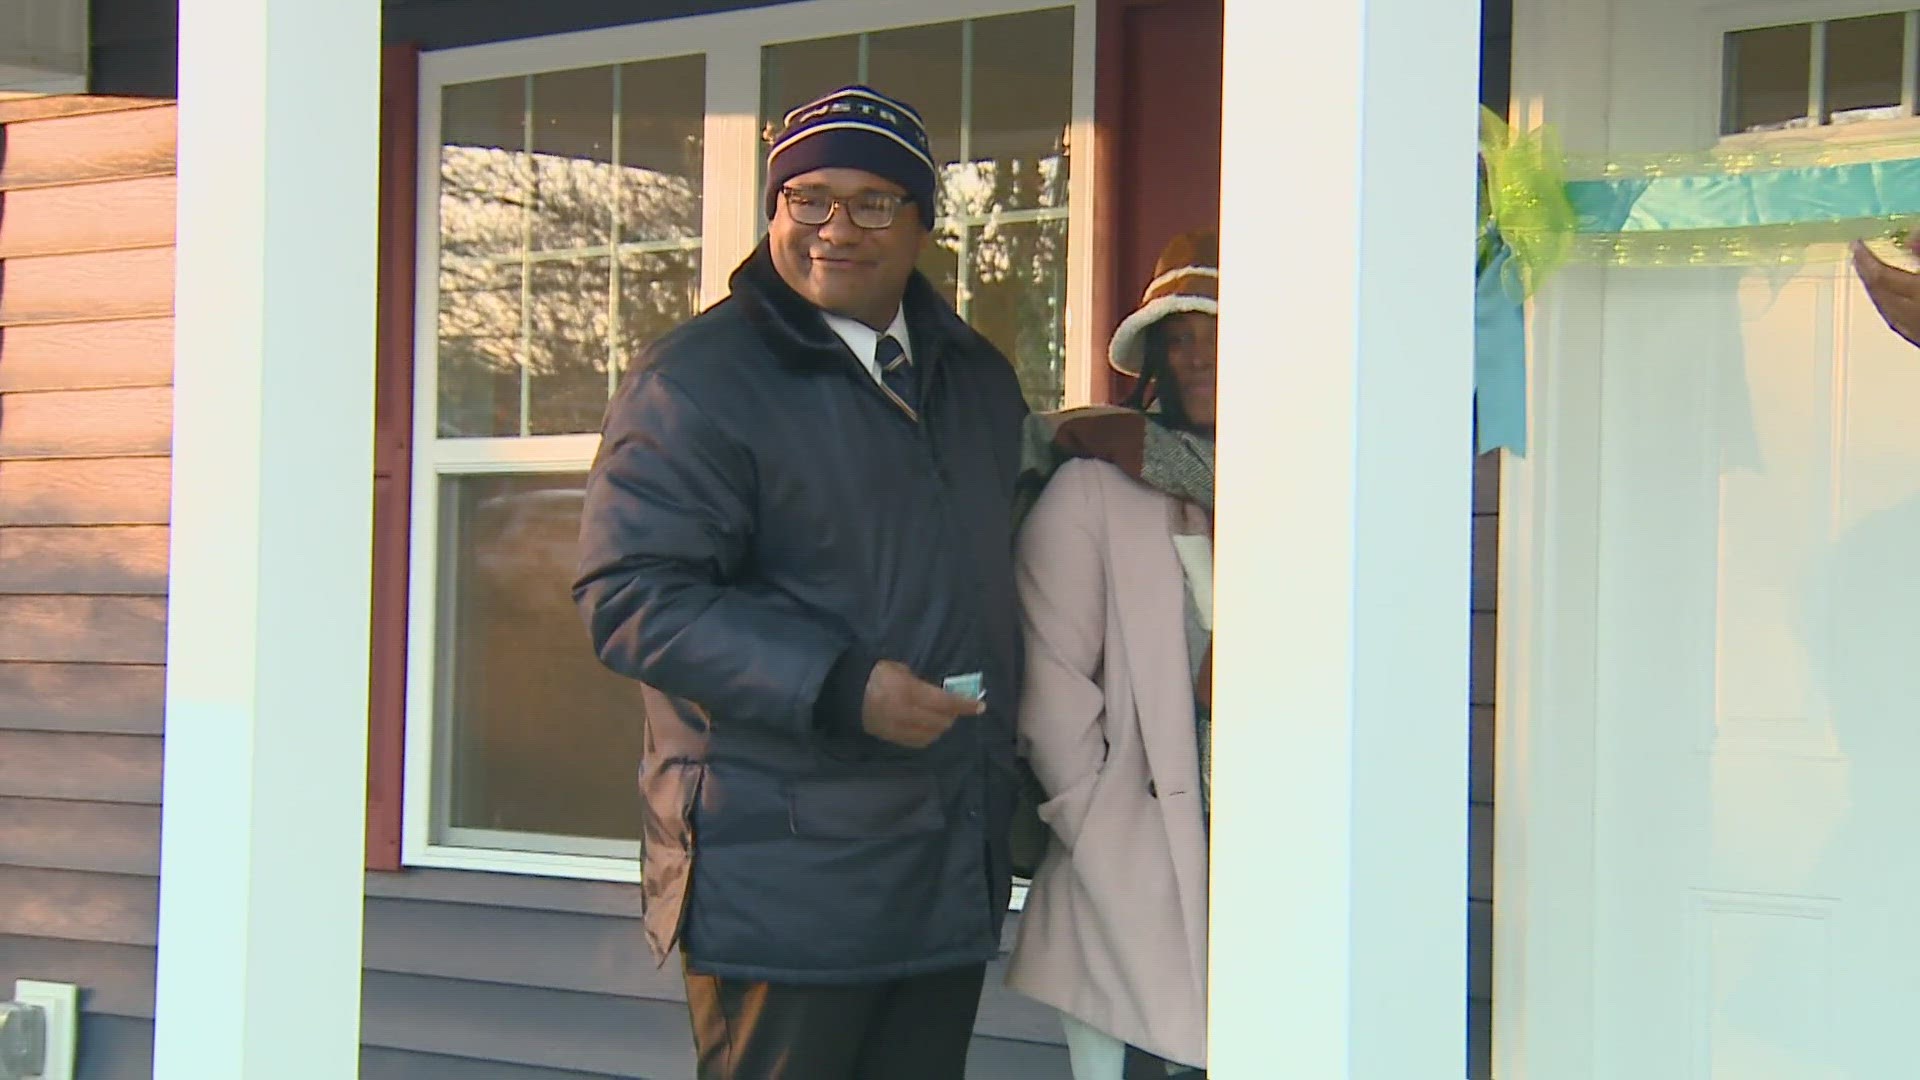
x,y
1523,201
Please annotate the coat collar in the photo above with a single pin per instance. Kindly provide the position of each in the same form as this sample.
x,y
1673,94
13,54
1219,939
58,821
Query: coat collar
x,y
798,336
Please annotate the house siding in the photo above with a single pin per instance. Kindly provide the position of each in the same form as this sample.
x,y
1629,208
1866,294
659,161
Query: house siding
x,y
1496,62
539,978
1480,839
86,337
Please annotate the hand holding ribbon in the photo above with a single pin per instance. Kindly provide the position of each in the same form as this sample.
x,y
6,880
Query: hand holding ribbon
x,y
1732,205
1895,292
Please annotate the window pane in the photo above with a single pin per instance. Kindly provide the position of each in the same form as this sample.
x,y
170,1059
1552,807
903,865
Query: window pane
x,y
1769,72
572,152
796,72
1017,298
663,107
1863,67
537,174
479,354
568,302
484,172
1022,104
921,66
542,738
658,291
940,260
997,96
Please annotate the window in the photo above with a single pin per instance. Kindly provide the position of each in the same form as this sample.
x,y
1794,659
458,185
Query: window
x,y
998,103
1823,73
581,195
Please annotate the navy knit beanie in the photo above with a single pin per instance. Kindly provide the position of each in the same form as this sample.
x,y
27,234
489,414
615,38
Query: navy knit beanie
x,y
855,127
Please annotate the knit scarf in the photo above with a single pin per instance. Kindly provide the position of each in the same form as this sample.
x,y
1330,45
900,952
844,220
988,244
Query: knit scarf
x,y
1176,463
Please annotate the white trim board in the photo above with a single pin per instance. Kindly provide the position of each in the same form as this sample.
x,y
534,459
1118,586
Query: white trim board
x,y
1339,842
264,809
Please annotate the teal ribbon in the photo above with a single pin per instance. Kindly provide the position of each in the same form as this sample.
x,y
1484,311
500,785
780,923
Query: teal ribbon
x,y
1796,196
1499,353
1774,198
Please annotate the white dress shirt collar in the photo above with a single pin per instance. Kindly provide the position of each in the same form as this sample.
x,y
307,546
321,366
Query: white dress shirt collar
x,y
863,339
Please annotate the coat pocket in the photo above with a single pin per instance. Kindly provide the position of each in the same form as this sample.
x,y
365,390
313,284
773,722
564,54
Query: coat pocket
x,y
864,807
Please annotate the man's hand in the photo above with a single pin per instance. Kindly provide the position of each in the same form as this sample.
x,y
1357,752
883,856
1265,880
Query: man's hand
x,y
901,709
1895,292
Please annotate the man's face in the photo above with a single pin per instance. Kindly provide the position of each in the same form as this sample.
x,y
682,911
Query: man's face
x,y
1193,359
841,267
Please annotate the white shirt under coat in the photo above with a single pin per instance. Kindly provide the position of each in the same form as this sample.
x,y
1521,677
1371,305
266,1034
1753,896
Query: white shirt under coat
x,y
863,340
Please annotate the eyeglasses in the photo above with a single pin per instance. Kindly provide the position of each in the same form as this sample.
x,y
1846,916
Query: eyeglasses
x,y
868,210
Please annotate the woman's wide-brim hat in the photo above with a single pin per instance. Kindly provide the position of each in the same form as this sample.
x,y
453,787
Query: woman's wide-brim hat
x,y
1186,278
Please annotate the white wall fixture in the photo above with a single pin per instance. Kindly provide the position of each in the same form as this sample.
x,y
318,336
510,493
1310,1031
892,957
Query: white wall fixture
x,y
39,1031
43,47
263,816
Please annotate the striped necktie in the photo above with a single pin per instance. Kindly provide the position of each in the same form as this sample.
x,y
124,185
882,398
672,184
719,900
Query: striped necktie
x,y
896,370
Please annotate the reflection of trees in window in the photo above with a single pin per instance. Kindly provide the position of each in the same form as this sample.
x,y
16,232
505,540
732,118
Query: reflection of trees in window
x,y
545,738
1016,280
527,333
996,94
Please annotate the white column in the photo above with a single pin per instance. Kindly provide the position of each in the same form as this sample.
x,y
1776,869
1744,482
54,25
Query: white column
x,y
263,819
1340,791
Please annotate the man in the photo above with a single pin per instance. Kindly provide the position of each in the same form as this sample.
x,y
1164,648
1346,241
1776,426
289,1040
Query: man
x,y
796,534
1895,292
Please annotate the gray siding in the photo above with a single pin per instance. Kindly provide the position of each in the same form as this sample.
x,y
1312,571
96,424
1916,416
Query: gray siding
x,y
85,411
552,978
1486,551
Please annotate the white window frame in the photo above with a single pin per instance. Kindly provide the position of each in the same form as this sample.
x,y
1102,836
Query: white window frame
x,y
731,43
1818,115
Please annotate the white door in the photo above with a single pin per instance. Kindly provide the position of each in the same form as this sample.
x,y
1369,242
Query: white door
x,y
1709,833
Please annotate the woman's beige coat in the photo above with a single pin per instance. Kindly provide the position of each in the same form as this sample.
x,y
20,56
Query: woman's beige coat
x,y
1115,927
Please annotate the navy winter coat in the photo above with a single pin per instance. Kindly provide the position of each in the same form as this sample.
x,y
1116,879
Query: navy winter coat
x,y
759,511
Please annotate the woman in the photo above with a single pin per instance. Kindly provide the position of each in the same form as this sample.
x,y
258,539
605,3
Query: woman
x,y
1115,573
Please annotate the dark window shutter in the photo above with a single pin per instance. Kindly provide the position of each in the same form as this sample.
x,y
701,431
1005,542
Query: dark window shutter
x,y
392,453
1157,72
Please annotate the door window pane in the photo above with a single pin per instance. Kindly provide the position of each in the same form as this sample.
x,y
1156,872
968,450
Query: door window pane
x,y
1863,67
1768,76
540,737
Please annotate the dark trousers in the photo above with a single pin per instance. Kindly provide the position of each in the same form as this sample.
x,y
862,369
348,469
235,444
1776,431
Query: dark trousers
x,y
908,1029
